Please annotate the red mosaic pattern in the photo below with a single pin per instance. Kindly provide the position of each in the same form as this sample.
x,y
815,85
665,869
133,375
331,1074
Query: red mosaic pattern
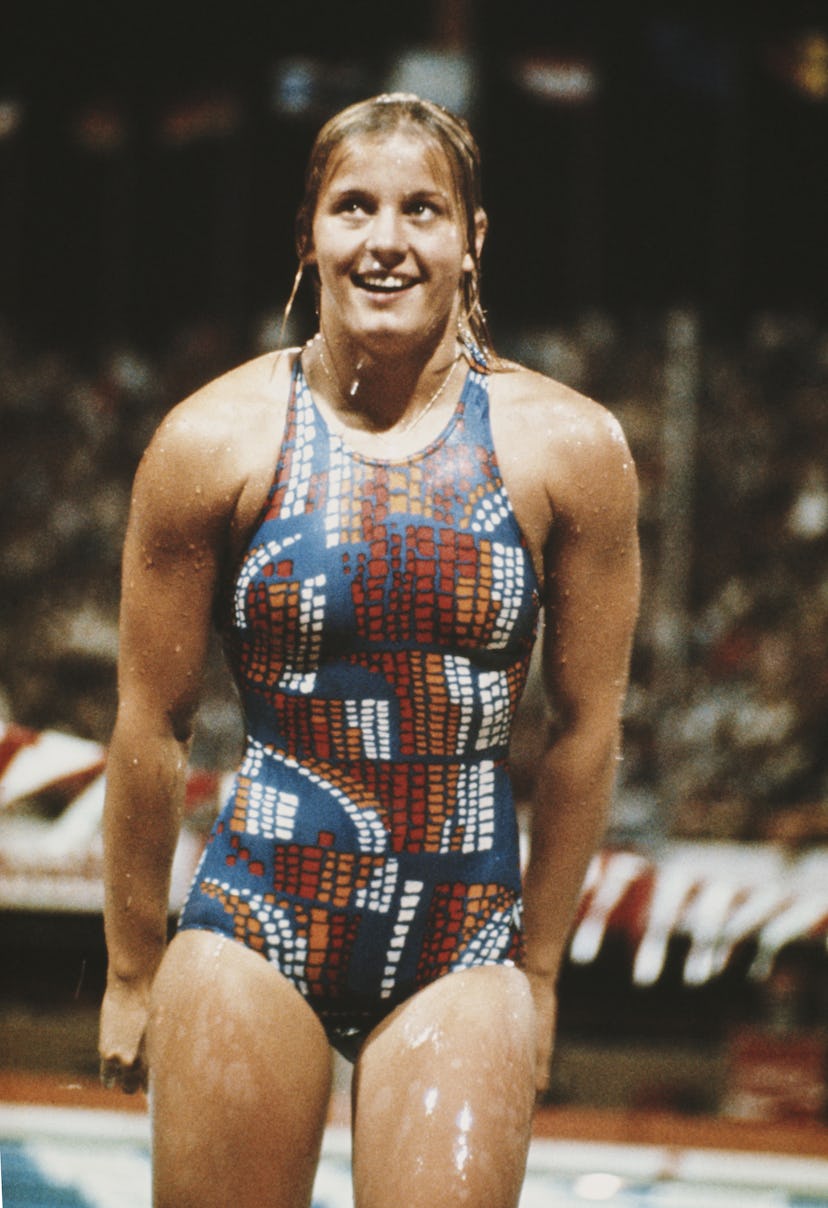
x,y
320,874
317,941
459,917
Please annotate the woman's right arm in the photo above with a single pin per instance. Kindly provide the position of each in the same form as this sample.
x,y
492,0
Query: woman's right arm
x,y
177,528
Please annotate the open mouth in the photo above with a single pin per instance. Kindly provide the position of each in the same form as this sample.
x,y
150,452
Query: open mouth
x,y
383,283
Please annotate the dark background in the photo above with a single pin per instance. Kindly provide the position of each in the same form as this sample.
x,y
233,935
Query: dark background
x,y
694,174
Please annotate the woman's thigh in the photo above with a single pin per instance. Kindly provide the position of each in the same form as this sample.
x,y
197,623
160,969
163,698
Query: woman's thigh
x,y
444,1096
240,1074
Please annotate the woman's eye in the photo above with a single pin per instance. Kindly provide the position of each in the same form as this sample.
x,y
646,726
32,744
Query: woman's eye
x,y
350,205
421,209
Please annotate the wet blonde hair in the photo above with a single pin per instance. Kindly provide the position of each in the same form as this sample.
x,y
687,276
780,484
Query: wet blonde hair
x,y
382,115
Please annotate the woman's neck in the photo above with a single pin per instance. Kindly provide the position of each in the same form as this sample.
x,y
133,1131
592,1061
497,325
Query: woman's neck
x,y
381,392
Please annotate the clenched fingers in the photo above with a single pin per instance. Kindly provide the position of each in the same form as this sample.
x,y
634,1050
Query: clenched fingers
x,y
130,1077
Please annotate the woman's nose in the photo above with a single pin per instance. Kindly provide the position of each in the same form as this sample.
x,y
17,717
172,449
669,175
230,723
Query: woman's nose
x,y
386,234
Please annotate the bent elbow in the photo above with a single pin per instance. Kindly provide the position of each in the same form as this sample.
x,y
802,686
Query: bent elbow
x,y
182,725
149,722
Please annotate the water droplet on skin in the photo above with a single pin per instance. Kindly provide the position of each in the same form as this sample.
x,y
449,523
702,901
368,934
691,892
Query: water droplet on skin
x,y
462,1149
461,1155
415,1040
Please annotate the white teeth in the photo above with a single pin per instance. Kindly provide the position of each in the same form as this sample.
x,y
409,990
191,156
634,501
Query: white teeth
x,y
374,281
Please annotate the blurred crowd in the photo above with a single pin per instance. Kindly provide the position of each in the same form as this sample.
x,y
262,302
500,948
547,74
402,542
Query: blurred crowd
x,y
730,740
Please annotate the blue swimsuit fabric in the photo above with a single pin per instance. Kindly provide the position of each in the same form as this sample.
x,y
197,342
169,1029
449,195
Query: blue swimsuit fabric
x,y
379,628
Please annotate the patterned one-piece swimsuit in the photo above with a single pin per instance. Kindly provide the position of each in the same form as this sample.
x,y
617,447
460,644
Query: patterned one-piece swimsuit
x,y
380,629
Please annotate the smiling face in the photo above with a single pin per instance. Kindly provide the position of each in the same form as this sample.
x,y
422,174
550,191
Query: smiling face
x,y
389,241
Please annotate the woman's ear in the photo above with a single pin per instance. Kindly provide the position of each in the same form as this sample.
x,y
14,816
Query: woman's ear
x,y
304,243
481,225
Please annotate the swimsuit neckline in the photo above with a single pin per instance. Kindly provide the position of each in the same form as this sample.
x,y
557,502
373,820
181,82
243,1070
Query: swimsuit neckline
x,y
337,438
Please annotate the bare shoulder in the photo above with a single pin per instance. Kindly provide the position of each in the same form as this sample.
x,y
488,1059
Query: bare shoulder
x,y
210,447
214,437
576,445
228,411
555,414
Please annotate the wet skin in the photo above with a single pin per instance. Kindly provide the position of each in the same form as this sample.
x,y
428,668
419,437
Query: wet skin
x,y
240,1065
443,1091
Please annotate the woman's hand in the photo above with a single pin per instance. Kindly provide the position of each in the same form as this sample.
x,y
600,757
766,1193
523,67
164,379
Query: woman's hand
x,y
545,997
124,1016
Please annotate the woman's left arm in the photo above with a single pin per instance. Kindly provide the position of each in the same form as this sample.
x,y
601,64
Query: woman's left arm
x,y
591,605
